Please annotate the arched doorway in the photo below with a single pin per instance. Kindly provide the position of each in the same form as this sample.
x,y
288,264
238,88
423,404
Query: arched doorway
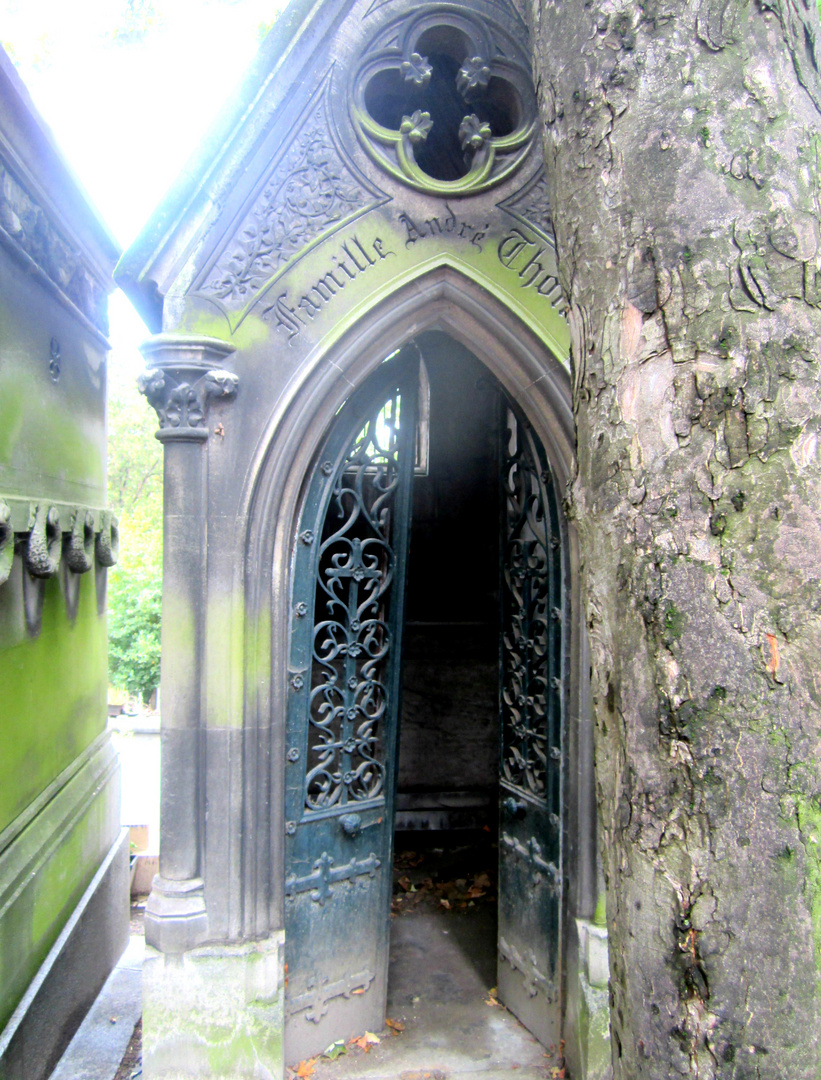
x,y
476,619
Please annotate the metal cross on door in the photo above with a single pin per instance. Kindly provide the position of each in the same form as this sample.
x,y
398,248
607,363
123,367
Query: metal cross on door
x,y
344,670
530,841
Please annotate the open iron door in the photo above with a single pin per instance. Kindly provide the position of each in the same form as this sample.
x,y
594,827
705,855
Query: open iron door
x,y
530,788
349,576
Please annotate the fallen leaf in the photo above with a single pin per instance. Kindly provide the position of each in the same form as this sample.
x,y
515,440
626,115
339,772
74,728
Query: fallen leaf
x,y
366,1041
445,903
305,1068
405,883
491,998
396,1026
335,1049
359,990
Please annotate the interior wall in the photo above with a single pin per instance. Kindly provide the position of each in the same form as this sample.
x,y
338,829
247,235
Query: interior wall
x,y
449,730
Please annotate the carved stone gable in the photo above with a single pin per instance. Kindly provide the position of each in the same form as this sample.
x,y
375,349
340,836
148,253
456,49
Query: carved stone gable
x,y
531,207
311,191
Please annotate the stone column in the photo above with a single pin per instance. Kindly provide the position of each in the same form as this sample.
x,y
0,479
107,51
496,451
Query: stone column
x,y
184,374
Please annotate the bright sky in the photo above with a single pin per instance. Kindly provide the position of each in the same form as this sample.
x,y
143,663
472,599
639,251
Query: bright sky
x,y
128,111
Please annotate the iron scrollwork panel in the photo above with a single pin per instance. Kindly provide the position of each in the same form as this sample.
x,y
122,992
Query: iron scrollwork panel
x,y
352,641
344,680
531,619
531,709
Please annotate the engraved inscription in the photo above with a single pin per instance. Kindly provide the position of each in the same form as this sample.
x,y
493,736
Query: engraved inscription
x,y
449,225
534,263
353,259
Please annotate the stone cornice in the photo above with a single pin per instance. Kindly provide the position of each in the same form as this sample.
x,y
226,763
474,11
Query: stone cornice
x,y
28,229
45,215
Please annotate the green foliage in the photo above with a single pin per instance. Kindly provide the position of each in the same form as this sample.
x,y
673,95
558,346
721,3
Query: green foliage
x,y
134,609
135,583
136,19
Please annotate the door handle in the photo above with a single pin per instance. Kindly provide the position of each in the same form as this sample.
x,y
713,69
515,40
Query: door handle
x,y
351,824
513,806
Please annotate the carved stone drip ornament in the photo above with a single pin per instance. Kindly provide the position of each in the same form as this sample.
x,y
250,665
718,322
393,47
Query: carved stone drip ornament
x,y
6,543
45,543
44,531
444,105
80,554
184,380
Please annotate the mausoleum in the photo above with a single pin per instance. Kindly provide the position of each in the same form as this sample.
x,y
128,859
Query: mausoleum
x,y
63,857
371,616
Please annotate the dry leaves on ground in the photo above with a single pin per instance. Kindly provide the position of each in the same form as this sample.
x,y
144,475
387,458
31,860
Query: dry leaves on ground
x,y
303,1070
366,1041
412,889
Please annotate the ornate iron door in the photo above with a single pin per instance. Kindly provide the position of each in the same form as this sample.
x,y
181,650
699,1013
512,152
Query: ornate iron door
x,y
530,789
344,670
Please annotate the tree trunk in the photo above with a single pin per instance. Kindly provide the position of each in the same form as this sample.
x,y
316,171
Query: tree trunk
x,y
682,145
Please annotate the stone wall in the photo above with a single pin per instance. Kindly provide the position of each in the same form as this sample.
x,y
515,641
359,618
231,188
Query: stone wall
x,y
63,862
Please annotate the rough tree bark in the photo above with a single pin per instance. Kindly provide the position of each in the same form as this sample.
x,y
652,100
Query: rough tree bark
x,y
682,143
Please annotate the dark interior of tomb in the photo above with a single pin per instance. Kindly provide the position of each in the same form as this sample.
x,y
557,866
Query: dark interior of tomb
x,y
448,756
447,788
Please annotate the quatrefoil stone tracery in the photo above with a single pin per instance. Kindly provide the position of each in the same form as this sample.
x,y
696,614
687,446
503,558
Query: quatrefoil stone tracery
x,y
442,108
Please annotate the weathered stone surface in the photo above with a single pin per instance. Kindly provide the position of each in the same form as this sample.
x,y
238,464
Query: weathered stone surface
x,y
62,867
214,1012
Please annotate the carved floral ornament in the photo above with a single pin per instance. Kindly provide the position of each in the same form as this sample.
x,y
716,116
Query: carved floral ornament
x,y
183,378
439,104
47,534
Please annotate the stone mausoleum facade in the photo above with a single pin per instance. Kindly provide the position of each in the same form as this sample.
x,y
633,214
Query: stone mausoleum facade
x,y
63,857
359,364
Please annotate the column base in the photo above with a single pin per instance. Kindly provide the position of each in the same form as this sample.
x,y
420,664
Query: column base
x,y
216,1011
175,916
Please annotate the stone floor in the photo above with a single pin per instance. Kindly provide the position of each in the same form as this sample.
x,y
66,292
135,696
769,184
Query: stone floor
x,y
442,972
442,967
97,1049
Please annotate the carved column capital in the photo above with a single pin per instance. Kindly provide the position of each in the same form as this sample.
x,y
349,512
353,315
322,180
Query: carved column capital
x,y
184,374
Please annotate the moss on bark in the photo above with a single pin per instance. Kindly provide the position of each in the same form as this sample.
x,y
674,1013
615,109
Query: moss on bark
x,y
682,144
